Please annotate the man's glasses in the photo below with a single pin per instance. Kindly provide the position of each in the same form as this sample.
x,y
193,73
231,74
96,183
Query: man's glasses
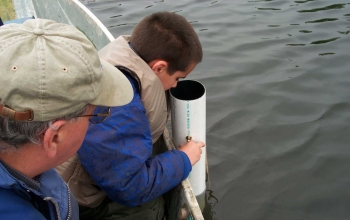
x,y
101,114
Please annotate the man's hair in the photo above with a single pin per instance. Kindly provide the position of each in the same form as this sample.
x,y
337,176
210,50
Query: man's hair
x,y
167,36
15,133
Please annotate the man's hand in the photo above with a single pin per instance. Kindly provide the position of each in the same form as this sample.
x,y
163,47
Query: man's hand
x,y
192,150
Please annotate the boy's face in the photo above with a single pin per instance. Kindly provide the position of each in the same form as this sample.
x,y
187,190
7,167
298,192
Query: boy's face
x,y
170,81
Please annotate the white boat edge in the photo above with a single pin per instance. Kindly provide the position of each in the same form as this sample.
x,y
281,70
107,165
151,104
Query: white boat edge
x,y
74,13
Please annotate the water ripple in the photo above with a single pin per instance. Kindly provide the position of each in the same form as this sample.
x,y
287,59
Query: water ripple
x,y
305,31
296,45
325,41
211,3
335,6
325,54
125,24
323,20
343,32
303,1
269,9
261,1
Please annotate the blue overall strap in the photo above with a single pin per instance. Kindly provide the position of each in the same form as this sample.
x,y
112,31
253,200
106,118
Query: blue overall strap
x,y
1,23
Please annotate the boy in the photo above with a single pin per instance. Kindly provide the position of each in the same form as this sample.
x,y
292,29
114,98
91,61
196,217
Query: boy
x,y
46,102
163,48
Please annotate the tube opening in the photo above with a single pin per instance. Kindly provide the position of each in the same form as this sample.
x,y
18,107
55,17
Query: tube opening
x,y
188,90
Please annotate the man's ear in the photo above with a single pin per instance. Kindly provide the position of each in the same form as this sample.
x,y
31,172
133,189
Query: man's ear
x,y
53,138
159,66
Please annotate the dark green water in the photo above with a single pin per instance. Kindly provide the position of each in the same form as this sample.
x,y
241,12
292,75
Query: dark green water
x,y
277,75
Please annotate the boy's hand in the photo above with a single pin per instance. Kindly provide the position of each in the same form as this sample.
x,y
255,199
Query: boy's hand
x,y
192,150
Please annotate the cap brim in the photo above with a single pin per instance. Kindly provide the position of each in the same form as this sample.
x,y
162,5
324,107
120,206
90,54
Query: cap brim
x,y
116,88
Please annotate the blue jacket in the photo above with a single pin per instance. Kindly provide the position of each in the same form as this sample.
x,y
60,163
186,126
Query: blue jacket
x,y
25,198
117,155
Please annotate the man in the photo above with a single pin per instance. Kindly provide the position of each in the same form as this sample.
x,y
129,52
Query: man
x,y
51,82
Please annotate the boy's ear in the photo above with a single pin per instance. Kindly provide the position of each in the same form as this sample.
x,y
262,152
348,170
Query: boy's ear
x,y
159,66
53,138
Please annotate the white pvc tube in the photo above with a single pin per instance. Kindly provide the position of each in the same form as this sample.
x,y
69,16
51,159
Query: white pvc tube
x,y
188,118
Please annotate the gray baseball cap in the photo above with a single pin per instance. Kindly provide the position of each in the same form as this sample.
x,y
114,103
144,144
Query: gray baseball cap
x,y
51,70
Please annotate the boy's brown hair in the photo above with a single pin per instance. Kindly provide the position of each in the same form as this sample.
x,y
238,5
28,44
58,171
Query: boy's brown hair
x,y
167,36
